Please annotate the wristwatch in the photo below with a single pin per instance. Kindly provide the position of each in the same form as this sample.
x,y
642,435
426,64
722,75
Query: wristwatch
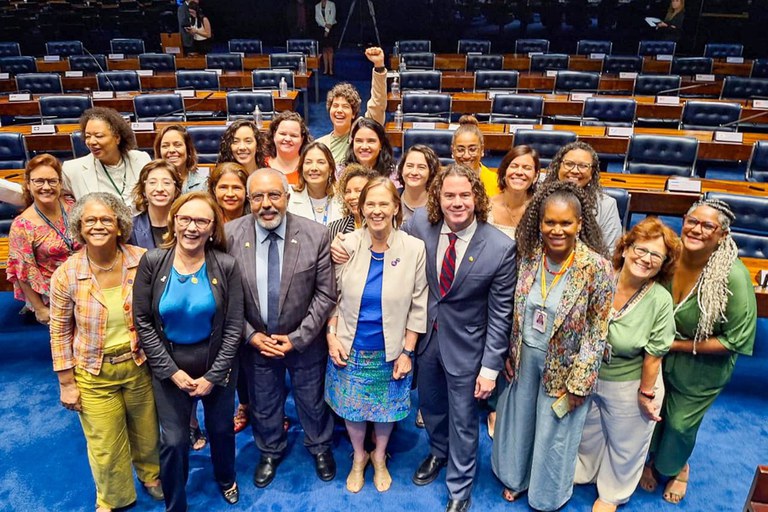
x,y
407,352
380,69
647,394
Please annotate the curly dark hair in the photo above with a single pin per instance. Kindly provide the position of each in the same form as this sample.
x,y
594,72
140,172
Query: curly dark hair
x,y
386,160
351,171
433,162
528,235
593,188
191,162
349,93
648,229
117,125
482,202
225,147
286,115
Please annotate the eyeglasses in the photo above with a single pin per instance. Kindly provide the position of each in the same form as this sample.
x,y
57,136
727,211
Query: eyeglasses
x,y
164,183
273,196
569,165
39,182
185,220
516,167
471,150
642,252
107,222
706,227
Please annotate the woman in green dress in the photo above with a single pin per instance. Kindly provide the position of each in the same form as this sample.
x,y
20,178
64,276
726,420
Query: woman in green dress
x,y
715,319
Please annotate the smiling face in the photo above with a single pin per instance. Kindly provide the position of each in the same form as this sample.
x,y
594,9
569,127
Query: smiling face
x,y
44,185
378,211
98,225
352,192
316,169
244,148
174,150
559,227
576,167
159,188
415,170
288,139
102,143
457,202
269,200
468,150
192,237
230,195
366,146
702,230
521,173
341,115
644,258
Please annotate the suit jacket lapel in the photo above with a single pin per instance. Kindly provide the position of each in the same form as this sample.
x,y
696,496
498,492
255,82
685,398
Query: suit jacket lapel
x,y
431,246
576,282
290,258
248,260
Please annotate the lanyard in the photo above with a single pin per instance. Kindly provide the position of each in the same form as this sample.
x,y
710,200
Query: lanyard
x,y
326,208
125,170
558,275
67,240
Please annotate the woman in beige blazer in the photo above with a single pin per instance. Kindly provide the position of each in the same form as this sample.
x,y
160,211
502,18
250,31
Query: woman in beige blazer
x,y
373,332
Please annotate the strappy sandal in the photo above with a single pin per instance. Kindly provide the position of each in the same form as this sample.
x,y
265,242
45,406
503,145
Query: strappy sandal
x,y
241,418
196,436
675,496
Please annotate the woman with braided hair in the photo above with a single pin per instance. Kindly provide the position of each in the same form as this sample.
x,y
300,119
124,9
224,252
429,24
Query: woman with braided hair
x,y
559,326
715,319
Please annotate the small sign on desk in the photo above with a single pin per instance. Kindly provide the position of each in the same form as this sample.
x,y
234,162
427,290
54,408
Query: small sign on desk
x,y
552,73
667,100
685,185
20,96
73,74
597,56
215,70
185,93
729,137
52,58
704,77
531,54
760,104
117,56
143,127
580,96
5,76
43,129
734,60
103,95
424,126
664,57
174,50
514,127
144,72
628,74
619,131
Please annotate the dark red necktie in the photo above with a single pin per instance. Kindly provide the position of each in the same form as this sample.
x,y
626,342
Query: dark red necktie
x,y
449,265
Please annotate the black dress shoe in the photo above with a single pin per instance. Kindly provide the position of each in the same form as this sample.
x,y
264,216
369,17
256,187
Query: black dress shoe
x,y
325,466
231,494
458,505
428,470
265,471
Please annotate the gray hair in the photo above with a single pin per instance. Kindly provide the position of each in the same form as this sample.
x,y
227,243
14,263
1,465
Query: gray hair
x,y
269,170
116,204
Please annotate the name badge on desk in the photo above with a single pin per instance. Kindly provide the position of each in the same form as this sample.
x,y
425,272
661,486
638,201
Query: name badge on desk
x,y
5,76
143,127
103,95
43,129
21,96
685,185
667,100
704,77
531,54
73,74
597,56
729,137
628,74
664,57
514,127
619,131
552,73
174,50
215,70
734,60
116,56
424,126
52,58
759,103
580,96
144,72
185,93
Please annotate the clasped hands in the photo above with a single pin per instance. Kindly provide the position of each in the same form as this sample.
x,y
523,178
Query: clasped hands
x,y
274,346
193,387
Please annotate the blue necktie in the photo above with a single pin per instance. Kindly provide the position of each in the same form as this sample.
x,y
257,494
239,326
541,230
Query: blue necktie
x,y
273,283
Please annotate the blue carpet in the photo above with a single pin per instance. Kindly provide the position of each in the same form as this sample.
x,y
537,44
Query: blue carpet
x,y
45,468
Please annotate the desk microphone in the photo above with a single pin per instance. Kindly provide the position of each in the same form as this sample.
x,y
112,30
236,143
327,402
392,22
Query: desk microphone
x,y
18,91
104,71
184,108
685,88
748,118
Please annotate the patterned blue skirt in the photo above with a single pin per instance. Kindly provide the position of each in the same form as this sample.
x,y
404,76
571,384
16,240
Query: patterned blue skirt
x,y
364,389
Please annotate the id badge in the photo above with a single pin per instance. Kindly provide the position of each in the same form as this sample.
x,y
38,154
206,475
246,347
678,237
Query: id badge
x,y
607,353
540,320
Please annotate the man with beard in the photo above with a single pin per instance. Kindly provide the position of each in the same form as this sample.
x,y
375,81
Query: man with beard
x,y
290,291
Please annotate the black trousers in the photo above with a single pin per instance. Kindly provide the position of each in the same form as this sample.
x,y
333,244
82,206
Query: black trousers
x,y
174,408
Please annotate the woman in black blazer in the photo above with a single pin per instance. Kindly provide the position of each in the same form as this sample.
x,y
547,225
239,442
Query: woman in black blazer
x,y
188,312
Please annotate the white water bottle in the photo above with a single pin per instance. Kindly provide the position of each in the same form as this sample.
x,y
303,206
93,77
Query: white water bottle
x,y
395,88
403,67
396,50
302,66
399,118
283,88
257,116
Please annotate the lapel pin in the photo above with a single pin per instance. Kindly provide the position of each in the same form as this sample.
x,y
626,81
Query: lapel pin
x,y
162,279
247,245
214,281
471,258
293,241
395,262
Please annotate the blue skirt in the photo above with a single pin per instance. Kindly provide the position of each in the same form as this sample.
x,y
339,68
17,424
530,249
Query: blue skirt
x,y
364,390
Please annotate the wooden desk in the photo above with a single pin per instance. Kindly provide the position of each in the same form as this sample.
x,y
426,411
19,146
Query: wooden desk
x,y
5,286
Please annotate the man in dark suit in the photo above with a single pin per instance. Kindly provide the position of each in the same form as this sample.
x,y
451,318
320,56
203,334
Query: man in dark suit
x,y
290,290
471,272
185,21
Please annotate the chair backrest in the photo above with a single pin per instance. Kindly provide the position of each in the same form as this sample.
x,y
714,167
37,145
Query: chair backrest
x,y
654,48
10,49
64,48
710,115
159,107
78,144
517,109
652,85
194,79
206,140
659,154
690,65
16,65
245,45
438,140
723,50
475,62
224,61
39,83
751,246
759,68
418,60
8,212
757,167
571,81
157,61
615,64
751,212
474,46
241,104
127,46
500,80
305,46
414,45
743,88
421,80
118,81
587,46
88,63
429,107
623,199
531,45
13,151
285,61
63,109
270,78
549,61
546,142
609,112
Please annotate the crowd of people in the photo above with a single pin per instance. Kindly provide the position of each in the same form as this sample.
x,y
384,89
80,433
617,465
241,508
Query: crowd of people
x,y
165,284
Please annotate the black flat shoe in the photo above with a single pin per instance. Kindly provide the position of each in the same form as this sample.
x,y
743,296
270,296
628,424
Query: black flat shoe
x,y
458,505
428,470
265,471
231,495
325,466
